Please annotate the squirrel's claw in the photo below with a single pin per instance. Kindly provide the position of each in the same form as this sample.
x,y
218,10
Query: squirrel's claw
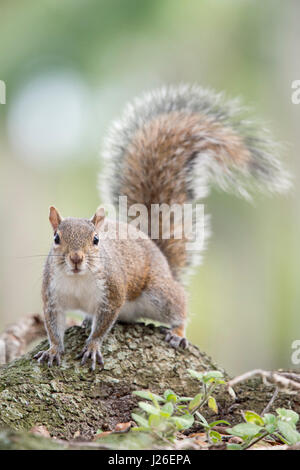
x,y
91,351
174,340
48,356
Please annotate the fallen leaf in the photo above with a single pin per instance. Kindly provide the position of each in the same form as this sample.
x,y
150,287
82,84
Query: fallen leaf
x,y
198,434
102,434
235,440
123,427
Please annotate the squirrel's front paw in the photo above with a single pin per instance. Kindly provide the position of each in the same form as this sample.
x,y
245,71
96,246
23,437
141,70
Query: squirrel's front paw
x,y
52,354
92,351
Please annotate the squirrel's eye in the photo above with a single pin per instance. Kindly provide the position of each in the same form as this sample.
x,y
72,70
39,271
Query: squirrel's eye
x,y
56,239
96,240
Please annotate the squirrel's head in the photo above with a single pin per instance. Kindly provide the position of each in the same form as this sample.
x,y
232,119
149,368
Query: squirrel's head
x,y
76,241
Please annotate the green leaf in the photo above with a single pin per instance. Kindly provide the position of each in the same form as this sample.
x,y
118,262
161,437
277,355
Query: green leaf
x,y
220,421
271,428
195,401
280,438
140,420
181,407
183,422
245,430
270,422
149,408
147,395
169,395
154,421
212,404
290,434
234,447
289,416
252,417
140,429
202,419
269,418
195,375
211,375
167,410
215,436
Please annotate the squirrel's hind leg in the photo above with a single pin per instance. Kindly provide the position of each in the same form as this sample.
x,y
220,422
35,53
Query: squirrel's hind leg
x,y
163,303
170,299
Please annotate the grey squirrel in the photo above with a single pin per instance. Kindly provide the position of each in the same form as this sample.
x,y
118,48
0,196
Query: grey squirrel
x,y
168,147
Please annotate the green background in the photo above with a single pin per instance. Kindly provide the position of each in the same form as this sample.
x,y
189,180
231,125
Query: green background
x,y
244,299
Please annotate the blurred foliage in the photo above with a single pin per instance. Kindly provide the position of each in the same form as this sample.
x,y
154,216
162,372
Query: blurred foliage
x,y
244,299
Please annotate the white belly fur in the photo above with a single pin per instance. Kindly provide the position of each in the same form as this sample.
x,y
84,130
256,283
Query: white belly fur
x,y
82,292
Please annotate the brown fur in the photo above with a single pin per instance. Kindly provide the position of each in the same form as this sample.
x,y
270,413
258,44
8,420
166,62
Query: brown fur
x,y
154,153
179,331
127,269
149,176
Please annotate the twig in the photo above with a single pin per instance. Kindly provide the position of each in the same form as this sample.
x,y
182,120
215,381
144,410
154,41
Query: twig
x,y
277,378
265,434
274,396
291,375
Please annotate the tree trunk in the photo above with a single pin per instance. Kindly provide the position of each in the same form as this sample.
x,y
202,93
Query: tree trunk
x,y
71,400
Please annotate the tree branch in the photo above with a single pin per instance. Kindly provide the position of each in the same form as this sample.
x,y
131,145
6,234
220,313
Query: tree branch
x,y
72,401
18,336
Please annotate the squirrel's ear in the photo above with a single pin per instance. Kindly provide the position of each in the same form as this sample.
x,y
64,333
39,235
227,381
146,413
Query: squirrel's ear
x,y
55,218
99,217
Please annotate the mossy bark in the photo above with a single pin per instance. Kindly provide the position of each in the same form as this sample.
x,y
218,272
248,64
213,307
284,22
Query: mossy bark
x,y
71,400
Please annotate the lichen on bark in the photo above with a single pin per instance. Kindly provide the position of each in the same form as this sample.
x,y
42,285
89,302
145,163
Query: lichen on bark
x,y
71,399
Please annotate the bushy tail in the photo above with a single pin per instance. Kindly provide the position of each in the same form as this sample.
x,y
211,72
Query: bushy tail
x,y
171,144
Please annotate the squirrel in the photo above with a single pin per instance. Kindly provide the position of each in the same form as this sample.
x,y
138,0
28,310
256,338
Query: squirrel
x,y
167,148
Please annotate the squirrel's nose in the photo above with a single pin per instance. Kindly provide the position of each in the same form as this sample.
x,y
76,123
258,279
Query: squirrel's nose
x,y
76,258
